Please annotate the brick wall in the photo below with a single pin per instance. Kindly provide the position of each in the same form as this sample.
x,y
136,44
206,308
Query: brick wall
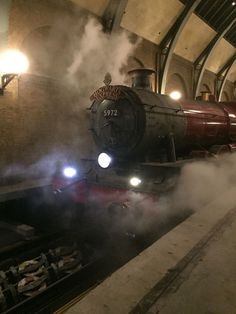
x,y
27,15
44,122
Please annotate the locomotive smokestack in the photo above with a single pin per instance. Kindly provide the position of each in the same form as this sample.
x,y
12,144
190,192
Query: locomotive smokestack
x,y
141,78
205,95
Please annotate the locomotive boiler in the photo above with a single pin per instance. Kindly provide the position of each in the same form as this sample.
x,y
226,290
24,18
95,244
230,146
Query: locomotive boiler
x,y
146,138
136,124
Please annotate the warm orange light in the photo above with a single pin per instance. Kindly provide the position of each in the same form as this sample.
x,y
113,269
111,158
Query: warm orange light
x,y
176,95
13,61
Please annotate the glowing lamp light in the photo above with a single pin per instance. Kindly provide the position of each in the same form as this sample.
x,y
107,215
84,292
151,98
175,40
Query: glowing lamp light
x,y
233,3
176,95
13,62
104,160
135,181
69,172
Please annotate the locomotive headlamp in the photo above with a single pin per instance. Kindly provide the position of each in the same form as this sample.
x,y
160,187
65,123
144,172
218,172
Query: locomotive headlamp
x,y
135,181
13,62
176,95
69,172
104,160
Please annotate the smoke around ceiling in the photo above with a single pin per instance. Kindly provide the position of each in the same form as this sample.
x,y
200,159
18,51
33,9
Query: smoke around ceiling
x,y
75,55
97,53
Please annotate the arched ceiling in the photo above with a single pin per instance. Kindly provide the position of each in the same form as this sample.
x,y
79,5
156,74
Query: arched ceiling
x,y
151,19
220,55
232,74
217,14
194,38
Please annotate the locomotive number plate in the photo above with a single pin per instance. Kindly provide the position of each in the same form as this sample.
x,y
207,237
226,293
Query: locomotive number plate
x,y
110,113
108,92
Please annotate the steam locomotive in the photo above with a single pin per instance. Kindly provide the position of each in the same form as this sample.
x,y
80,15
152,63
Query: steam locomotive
x,y
146,137
136,124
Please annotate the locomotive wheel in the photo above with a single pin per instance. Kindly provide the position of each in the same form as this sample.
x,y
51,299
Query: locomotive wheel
x,y
30,285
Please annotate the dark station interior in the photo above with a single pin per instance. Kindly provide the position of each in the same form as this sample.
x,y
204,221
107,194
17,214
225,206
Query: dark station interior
x,y
118,156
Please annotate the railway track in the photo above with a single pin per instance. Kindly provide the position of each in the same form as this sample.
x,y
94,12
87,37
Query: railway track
x,y
24,285
50,273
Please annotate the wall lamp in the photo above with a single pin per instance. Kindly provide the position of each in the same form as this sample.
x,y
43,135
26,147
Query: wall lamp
x,y
12,63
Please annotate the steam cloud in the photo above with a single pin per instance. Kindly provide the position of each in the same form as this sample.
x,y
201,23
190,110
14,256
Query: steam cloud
x,y
98,53
203,181
87,56
57,119
94,54
199,183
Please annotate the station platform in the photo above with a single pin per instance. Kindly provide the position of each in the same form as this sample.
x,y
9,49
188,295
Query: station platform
x,y
189,270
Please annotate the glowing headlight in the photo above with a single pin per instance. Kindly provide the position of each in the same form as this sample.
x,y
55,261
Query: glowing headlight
x,y
69,172
104,160
135,181
175,95
13,62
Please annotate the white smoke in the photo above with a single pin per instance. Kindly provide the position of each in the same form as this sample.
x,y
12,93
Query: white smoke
x,y
45,167
96,54
88,54
199,183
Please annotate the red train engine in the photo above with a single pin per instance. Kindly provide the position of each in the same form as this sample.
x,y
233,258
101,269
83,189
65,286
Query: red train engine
x,y
136,124
144,135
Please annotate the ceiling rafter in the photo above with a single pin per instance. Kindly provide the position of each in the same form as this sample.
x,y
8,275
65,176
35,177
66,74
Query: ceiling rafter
x,y
201,61
217,14
113,15
222,76
168,43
